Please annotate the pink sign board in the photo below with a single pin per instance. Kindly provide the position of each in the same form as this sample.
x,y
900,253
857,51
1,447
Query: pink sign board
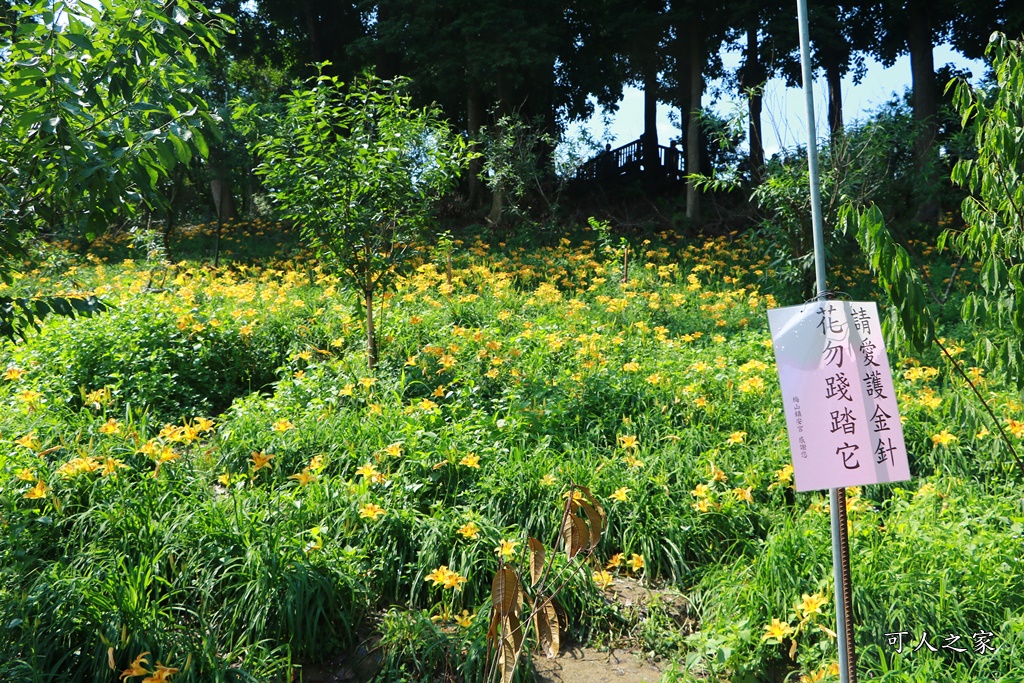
x,y
840,404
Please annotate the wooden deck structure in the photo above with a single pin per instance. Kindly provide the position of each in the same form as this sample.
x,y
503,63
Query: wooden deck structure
x,y
626,163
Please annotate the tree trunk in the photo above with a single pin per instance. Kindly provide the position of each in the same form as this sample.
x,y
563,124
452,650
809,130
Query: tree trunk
x,y
754,105
223,200
649,146
696,64
925,105
835,100
475,119
371,333
316,51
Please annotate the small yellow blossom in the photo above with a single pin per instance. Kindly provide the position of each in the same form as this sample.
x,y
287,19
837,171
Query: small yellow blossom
x,y
283,425
628,442
38,491
161,674
13,374
442,576
224,479
943,438
469,530
79,465
261,460
743,495
112,465
548,480
471,460
29,397
631,366
632,462
139,667
809,606
507,548
368,471
736,437
25,474
620,494
820,675
616,560
703,505
28,441
717,474
371,511
603,579
394,450
110,427
777,630
636,562
465,620
304,477
367,382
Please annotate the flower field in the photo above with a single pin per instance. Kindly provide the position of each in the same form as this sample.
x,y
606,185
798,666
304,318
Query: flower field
x,y
205,483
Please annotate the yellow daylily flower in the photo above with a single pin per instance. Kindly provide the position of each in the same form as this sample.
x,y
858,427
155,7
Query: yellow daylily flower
x,y
469,530
777,630
371,511
139,667
38,491
261,460
507,548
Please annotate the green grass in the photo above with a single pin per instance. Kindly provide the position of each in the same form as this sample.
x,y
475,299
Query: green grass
x,y
158,533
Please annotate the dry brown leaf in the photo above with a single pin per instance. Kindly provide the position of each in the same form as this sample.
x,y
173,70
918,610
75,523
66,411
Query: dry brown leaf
x,y
511,642
792,650
536,560
505,591
596,523
492,632
563,617
575,535
593,502
548,630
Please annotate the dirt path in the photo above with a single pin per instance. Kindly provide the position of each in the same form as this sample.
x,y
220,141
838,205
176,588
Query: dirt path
x,y
622,661
586,665
626,663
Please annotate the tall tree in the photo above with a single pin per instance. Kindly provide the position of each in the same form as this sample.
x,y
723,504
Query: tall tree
x,y
840,37
97,107
766,33
642,29
698,32
914,27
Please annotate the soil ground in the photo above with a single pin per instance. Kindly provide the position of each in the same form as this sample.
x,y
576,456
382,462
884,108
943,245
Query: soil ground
x,y
623,661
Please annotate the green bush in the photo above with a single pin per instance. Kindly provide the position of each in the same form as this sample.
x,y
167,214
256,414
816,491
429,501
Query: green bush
x,y
154,360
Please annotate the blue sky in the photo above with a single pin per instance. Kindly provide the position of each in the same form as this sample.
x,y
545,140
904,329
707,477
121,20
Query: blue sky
x,y
784,117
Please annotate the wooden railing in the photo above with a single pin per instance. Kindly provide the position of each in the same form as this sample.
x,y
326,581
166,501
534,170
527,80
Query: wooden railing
x,y
627,162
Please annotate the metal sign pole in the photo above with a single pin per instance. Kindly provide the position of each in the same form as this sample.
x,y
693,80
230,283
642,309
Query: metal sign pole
x,y
837,497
